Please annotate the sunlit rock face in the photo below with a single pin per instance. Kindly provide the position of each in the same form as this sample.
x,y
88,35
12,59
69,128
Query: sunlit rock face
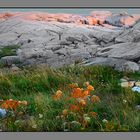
x,y
63,39
4,16
94,18
100,15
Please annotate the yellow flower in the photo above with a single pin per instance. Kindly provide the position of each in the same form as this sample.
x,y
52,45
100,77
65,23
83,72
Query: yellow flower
x,y
23,102
58,92
57,95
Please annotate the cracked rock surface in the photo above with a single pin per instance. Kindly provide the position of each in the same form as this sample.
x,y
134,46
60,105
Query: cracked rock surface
x,y
58,43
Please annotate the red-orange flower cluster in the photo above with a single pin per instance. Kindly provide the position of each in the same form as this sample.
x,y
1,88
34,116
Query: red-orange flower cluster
x,y
12,104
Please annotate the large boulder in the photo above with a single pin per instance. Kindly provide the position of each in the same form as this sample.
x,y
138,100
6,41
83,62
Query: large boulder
x,y
9,60
129,51
118,64
130,35
122,19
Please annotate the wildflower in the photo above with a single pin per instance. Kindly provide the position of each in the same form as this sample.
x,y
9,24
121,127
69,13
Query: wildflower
x,y
10,104
74,108
34,126
86,93
77,92
95,98
105,121
57,117
62,116
24,102
74,85
40,116
85,115
19,102
124,101
86,83
87,119
59,92
65,126
93,114
57,95
90,87
82,102
65,112
75,122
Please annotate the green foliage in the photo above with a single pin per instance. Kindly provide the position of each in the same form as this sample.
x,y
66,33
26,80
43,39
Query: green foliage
x,y
8,50
37,85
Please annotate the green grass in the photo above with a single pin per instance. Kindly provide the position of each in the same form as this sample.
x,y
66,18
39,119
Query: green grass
x,y
8,50
37,85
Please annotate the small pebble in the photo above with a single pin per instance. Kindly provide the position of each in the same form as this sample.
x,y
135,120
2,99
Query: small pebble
x,y
136,88
2,113
137,84
128,84
123,80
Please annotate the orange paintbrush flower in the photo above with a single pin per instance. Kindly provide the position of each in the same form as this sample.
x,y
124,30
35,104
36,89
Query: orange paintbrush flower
x,y
95,98
74,85
57,95
65,112
86,84
86,93
90,87
93,114
74,108
77,92
10,104
82,102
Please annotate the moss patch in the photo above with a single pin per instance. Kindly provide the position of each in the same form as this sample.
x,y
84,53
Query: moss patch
x,y
8,50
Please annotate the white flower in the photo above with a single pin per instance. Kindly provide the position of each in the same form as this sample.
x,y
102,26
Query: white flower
x,y
124,101
57,117
40,116
75,122
85,115
105,121
87,119
64,127
34,126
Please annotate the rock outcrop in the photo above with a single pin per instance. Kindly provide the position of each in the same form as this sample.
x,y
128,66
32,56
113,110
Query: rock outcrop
x,y
63,39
